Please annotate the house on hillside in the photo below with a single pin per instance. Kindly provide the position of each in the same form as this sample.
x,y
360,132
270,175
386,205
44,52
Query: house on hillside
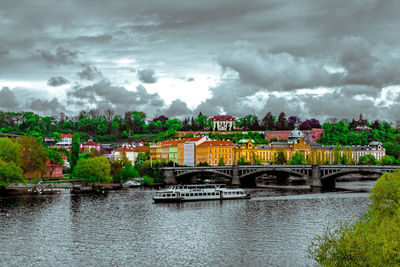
x,y
88,146
223,123
66,141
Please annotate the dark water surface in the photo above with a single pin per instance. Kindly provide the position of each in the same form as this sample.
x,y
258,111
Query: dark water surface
x,y
125,228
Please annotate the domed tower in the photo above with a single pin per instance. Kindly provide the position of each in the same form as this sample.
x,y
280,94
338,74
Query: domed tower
x,y
295,136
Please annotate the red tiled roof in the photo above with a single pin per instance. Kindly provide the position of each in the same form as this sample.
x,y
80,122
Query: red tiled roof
x,y
125,149
170,143
141,148
217,143
223,118
90,143
66,135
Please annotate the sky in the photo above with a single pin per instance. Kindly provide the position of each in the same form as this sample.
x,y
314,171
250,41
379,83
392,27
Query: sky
x,y
313,59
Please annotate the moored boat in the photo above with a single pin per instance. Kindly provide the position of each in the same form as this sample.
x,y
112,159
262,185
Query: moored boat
x,y
180,193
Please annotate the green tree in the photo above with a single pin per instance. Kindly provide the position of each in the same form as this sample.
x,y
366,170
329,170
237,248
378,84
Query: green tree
x,y
74,150
129,172
392,149
242,161
10,173
33,155
10,151
56,136
367,160
55,159
221,162
115,171
298,158
280,158
203,164
387,160
94,170
282,122
373,240
268,122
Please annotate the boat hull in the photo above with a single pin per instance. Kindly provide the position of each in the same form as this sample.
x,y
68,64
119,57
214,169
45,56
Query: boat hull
x,y
174,200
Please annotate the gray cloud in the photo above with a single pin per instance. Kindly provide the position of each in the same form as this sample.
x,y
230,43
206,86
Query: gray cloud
x,y
62,56
285,46
103,95
8,101
46,106
177,108
89,73
147,76
57,81
281,71
353,90
94,39
3,52
190,79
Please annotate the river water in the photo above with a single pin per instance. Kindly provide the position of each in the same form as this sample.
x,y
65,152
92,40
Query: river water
x,y
125,228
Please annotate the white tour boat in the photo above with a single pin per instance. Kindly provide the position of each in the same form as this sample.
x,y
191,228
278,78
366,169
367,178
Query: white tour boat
x,y
179,193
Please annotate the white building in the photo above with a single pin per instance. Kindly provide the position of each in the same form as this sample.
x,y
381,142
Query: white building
x,y
223,123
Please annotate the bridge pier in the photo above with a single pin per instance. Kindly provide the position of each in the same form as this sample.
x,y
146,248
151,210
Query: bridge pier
x,y
235,176
169,177
315,180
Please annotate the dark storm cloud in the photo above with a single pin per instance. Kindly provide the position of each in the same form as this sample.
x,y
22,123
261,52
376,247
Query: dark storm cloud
x,y
3,52
228,97
339,106
274,71
147,76
104,95
62,56
8,101
46,106
94,39
57,81
353,90
177,108
285,46
89,73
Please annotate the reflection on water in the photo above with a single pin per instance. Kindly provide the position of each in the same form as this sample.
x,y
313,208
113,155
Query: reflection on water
x,y
125,227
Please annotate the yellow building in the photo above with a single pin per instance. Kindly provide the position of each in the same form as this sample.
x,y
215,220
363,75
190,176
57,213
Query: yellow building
x,y
212,151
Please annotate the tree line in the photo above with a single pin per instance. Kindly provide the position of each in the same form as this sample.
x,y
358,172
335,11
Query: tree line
x,y
110,126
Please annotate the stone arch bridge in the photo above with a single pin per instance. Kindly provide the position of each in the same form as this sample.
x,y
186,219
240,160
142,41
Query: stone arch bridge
x,y
318,175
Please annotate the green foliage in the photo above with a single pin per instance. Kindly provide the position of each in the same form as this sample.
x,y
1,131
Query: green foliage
x,y
148,180
387,160
373,240
221,162
129,172
116,170
298,158
236,137
367,160
392,149
242,161
203,164
10,151
93,170
55,159
280,158
10,173
74,150
33,155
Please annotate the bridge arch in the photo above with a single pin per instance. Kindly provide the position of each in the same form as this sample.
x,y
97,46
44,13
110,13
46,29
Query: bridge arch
x,y
248,179
185,177
340,173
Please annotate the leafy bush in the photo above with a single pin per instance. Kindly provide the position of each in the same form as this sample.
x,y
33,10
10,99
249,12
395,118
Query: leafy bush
x,y
374,240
